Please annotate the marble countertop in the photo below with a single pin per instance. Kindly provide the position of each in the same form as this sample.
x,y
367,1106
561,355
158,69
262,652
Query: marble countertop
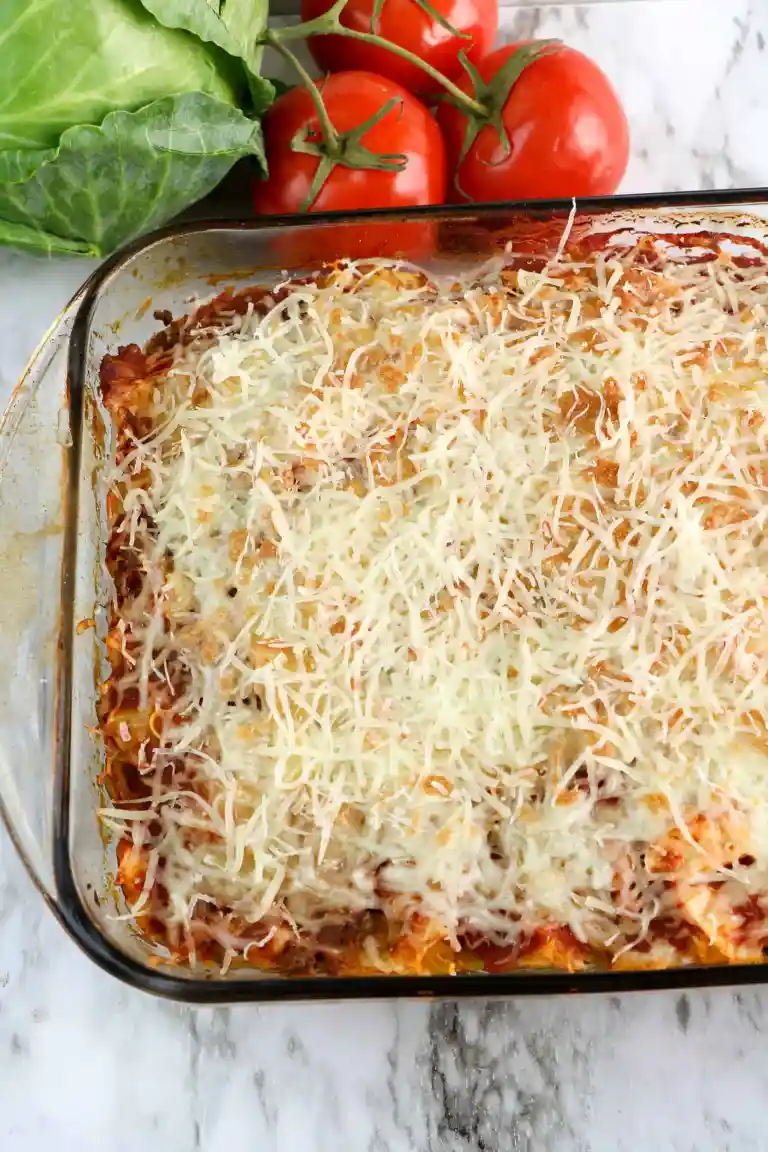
x,y
88,1065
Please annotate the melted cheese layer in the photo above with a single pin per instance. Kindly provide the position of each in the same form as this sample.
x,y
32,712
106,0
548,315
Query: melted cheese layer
x,y
464,589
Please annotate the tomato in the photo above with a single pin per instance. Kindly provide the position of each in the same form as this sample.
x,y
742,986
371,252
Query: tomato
x,y
351,99
407,129
409,25
567,132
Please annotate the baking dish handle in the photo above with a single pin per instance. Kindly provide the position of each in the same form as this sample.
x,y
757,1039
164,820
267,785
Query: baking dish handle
x,y
31,537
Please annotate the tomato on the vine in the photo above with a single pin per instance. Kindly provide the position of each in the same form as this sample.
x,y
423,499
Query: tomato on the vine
x,y
410,24
566,130
388,154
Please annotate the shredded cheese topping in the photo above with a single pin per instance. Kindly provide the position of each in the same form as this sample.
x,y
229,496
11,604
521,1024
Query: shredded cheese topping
x,y
457,590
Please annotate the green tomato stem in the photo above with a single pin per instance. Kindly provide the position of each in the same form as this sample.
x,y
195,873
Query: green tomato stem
x,y
317,27
329,133
459,96
330,24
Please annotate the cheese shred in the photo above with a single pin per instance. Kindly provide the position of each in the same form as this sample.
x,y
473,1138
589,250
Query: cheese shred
x,y
440,628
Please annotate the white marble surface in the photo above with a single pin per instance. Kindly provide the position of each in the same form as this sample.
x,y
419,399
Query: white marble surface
x,y
87,1065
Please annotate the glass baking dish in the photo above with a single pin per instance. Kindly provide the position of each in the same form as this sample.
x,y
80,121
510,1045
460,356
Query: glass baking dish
x,y
52,445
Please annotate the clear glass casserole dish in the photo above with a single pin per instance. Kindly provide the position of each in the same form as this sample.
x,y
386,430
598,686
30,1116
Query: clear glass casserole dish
x,y
52,531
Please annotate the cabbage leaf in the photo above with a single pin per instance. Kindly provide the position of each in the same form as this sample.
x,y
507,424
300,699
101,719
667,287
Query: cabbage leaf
x,y
116,114
106,183
236,27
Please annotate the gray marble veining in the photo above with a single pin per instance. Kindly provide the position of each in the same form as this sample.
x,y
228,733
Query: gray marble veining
x,y
87,1065
94,1065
